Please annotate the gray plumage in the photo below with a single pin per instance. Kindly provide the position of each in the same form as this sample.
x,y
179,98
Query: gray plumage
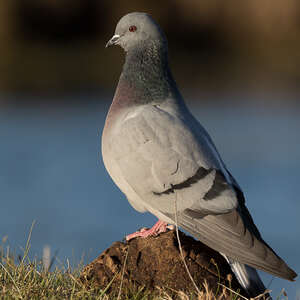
x,y
156,152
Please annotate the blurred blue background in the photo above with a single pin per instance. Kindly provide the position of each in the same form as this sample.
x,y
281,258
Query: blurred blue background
x,y
238,69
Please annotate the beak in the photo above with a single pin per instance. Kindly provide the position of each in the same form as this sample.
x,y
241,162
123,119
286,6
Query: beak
x,y
113,40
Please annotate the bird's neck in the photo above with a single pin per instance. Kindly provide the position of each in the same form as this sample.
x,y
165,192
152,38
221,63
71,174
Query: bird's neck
x,y
146,70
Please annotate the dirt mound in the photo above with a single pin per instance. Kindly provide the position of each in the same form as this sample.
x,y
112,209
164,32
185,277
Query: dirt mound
x,y
156,262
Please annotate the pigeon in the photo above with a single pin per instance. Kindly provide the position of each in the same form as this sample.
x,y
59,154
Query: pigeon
x,y
166,163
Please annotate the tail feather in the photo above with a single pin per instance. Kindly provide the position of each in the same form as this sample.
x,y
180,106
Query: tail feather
x,y
248,278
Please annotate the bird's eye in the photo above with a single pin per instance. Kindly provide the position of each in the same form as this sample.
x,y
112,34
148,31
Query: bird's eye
x,y
132,28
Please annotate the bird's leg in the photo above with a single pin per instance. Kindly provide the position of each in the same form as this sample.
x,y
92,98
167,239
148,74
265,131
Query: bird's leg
x,y
158,227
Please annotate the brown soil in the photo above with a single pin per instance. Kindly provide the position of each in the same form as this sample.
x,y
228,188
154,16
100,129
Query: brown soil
x,y
155,262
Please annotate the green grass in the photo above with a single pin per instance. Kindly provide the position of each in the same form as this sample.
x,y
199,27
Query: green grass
x,y
28,279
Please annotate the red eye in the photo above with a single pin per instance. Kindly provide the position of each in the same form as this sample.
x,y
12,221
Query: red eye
x,y
132,28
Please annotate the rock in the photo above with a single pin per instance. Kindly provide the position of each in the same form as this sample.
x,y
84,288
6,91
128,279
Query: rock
x,y
155,262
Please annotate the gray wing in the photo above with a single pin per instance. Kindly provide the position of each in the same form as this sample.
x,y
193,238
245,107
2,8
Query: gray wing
x,y
229,234
158,152
163,156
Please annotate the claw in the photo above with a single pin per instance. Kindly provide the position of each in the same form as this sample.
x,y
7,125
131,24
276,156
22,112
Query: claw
x,y
159,227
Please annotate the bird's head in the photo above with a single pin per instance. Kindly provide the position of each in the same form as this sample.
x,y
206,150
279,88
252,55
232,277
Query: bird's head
x,y
134,30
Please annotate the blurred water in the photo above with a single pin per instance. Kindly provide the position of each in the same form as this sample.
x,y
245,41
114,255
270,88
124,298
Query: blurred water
x,y
51,171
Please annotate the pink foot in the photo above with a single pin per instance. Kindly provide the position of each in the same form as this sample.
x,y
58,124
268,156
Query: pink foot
x,y
158,227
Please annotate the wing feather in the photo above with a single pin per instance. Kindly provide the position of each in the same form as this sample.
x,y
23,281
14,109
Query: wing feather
x,y
228,234
158,152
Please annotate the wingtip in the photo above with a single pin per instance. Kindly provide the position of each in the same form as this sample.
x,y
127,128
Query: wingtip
x,y
293,276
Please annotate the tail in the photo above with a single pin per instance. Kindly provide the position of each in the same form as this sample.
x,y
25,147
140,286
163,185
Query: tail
x,y
248,278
